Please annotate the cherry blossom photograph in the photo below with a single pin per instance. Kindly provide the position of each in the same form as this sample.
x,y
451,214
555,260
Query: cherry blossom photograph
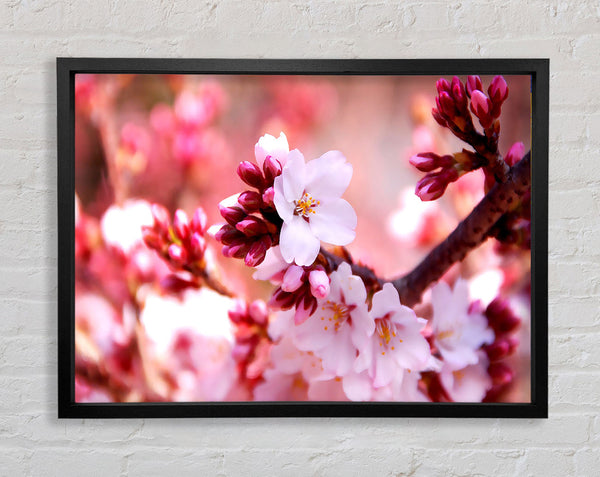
x,y
284,238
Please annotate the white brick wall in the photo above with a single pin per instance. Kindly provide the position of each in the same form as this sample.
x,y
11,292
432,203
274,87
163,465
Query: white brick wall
x,y
34,442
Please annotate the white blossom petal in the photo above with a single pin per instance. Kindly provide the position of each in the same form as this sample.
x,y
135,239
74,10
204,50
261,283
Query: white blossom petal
x,y
268,145
294,176
297,243
334,222
328,176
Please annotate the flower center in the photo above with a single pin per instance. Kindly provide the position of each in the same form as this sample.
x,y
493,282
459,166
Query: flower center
x,y
386,330
306,205
341,314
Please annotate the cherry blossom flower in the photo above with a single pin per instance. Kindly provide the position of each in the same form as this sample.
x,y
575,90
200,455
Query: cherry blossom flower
x,y
341,324
308,199
458,331
396,344
276,147
469,384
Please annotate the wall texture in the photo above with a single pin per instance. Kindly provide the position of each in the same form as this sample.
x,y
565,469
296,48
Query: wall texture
x,y
34,442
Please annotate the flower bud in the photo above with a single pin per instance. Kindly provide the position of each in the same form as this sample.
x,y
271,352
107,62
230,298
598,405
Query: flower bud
x,y
229,235
232,214
425,162
268,196
282,299
251,174
161,218
319,283
181,224
177,254
501,317
151,239
257,251
498,90
304,309
250,201
252,226
480,104
258,312
433,185
238,250
292,279
459,94
438,117
446,104
442,85
238,312
199,221
500,373
497,350
515,153
473,84
271,168
197,245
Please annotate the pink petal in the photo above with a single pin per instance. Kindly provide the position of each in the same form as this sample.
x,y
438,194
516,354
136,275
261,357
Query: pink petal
x,y
328,176
357,387
284,207
334,222
297,243
294,176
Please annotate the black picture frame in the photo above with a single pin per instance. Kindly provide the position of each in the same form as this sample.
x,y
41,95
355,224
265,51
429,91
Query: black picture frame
x,y
66,70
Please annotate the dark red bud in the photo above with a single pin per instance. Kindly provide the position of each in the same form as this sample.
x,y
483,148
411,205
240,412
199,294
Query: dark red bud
x,y
438,117
498,90
497,350
232,214
447,105
500,373
250,201
257,251
252,226
229,235
236,251
251,174
473,83
271,168
283,300
442,85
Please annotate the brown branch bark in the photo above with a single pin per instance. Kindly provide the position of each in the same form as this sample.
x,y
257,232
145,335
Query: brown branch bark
x,y
470,233
367,274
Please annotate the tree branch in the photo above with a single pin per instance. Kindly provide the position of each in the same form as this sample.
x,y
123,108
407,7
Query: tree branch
x,y
470,233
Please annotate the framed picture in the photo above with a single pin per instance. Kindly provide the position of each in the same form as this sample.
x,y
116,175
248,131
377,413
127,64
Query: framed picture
x,y
302,237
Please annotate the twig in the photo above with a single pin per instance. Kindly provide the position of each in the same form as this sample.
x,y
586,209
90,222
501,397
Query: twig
x,y
470,233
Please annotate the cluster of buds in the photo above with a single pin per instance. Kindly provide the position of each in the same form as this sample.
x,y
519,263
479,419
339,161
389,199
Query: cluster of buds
x,y
456,105
455,102
504,322
488,107
301,287
442,170
252,342
253,224
181,243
